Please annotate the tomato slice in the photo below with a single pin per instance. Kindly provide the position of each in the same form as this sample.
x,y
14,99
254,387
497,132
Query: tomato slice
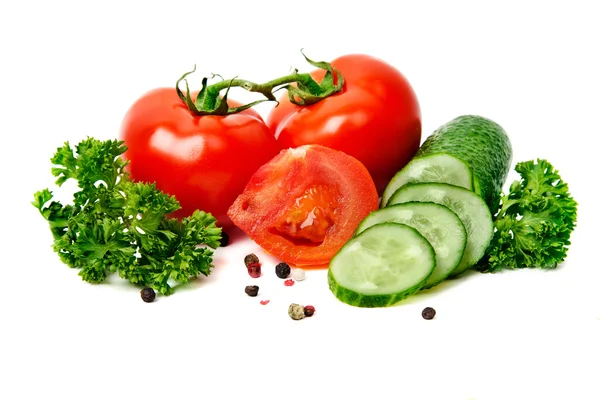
x,y
304,204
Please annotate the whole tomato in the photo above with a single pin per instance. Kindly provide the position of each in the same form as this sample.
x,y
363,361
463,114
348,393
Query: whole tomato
x,y
204,161
375,118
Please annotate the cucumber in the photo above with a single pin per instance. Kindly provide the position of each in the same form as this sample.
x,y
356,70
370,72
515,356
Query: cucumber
x,y
380,266
468,206
442,168
438,224
478,142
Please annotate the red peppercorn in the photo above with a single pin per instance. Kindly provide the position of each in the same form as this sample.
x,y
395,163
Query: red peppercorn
x,y
309,311
254,270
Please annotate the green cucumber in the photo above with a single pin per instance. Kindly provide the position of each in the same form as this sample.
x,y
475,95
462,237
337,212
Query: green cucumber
x,y
468,206
442,168
438,224
478,142
380,266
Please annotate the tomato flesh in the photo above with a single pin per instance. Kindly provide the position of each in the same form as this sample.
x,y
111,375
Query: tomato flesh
x,y
311,215
305,204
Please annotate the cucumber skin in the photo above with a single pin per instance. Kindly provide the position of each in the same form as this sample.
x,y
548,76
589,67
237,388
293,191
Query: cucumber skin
x,y
483,145
353,298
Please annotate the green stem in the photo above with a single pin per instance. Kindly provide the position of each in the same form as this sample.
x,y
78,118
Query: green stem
x,y
306,90
267,88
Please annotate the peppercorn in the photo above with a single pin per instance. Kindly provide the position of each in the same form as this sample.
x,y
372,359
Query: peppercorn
x,y
298,274
428,313
296,311
252,290
251,258
309,311
282,270
254,270
224,239
148,294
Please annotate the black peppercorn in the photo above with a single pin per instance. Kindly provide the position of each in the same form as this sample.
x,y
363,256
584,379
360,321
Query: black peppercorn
x,y
224,239
282,270
250,259
428,313
148,294
252,290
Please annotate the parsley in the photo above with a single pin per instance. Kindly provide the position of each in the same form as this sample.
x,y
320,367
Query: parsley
x,y
117,225
534,222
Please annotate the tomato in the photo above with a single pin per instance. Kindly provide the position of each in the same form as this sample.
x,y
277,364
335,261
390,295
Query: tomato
x,y
376,117
204,161
304,204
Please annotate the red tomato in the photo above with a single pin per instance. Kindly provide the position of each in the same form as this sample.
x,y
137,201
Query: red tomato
x,y
304,204
375,118
204,161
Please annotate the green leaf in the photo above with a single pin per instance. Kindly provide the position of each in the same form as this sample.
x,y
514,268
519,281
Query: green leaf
x,y
147,206
100,163
534,223
41,198
118,226
66,164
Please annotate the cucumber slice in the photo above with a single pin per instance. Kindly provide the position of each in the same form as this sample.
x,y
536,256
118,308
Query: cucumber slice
x,y
438,224
382,265
442,168
470,208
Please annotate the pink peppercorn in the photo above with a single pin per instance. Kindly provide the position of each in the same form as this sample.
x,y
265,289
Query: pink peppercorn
x,y
289,282
254,269
309,311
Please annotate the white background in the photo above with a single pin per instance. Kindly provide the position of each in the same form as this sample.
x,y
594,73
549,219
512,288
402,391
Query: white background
x,y
71,70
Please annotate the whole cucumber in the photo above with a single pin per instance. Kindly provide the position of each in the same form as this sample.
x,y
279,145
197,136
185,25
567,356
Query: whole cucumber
x,y
470,151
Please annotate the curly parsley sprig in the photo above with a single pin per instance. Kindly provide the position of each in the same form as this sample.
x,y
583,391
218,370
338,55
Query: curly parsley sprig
x,y
119,226
534,223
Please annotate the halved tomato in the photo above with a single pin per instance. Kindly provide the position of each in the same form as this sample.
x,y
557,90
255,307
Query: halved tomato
x,y
304,204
